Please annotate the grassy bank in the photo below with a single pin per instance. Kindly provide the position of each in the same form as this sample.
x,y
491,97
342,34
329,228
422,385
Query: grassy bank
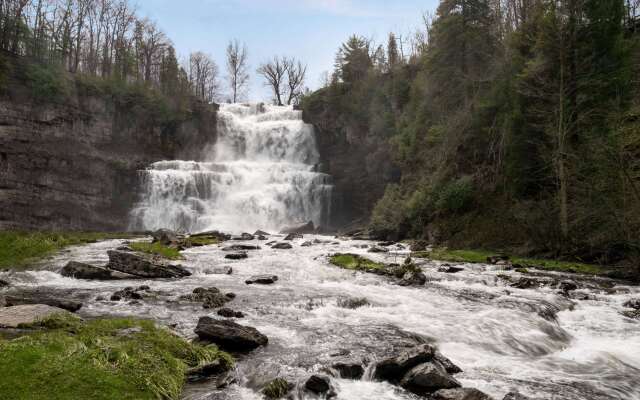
x,y
157,249
101,359
18,249
355,262
480,256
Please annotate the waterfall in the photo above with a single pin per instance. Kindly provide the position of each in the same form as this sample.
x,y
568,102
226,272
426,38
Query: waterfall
x,y
260,174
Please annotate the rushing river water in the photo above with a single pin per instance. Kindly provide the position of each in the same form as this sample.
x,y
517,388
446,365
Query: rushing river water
x,y
503,338
261,172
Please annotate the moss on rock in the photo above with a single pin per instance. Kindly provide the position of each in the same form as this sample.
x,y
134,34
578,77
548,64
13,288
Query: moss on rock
x,y
356,262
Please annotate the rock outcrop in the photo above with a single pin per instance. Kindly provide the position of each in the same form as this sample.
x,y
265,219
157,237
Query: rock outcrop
x,y
229,335
17,316
79,270
143,266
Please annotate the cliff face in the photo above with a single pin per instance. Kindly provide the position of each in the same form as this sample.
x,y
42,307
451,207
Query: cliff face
x,y
74,165
358,160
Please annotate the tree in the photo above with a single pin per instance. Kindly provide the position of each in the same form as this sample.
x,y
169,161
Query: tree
x,y
393,57
203,76
274,72
353,60
296,75
237,69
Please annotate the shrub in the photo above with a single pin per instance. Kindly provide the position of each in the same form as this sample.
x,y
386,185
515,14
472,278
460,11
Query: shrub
x,y
46,82
456,196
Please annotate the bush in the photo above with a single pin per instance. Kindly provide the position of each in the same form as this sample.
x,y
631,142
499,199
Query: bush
x,y
456,196
388,216
46,82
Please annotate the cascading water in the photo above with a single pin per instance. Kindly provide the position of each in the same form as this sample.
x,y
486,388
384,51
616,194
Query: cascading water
x,y
260,174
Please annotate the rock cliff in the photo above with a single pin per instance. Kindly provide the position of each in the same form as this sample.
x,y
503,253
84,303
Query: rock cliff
x,y
73,164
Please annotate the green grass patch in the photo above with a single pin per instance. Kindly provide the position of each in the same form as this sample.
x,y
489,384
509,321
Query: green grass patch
x,y
355,262
202,240
98,360
480,256
18,249
157,249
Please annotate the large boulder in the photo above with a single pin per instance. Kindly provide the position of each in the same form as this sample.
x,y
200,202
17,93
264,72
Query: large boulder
x,y
209,297
320,384
240,247
17,316
79,270
428,378
413,278
309,227
143,266
461,394
35,298
632,303
393,369
237,256
229,335
282,246
220,236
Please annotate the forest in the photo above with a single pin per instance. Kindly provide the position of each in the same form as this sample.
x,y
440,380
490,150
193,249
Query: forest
x,y
511,124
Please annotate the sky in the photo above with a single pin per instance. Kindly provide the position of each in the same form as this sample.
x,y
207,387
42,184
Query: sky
x,y
310,30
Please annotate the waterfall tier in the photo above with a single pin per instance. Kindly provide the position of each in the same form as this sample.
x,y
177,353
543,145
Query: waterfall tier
x,y
260,174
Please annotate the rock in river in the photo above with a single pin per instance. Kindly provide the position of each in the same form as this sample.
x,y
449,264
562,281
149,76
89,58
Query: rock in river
x,y
32,298
633,303
282,246
461,394
15,316
261,280
143,266
79,270
229,313
209,297
241,247
229,335
393,369
309,227
319,384
237,256
428,378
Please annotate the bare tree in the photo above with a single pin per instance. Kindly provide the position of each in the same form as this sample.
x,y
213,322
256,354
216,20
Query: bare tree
x,y
274,72
237,69
203,76
296,75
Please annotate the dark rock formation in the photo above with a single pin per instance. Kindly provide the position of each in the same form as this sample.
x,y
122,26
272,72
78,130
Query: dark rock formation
x,y
448,269
413,278
393,369
352,303
633,303
282,246
515,396
236,256
4,283
78,270
241,247
261,280
73,164
209,297
217,370
126,294
143,266
309,227
319,384
38,298
428,378
229,335
229,313
497,258
293,236
347,370
166,237
378,249
261,233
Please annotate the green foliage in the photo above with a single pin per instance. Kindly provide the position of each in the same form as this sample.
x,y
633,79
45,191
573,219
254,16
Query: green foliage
x,y
19,248
101,359
388,216
355,262
47,82
157,249
276,389
456,196
202,241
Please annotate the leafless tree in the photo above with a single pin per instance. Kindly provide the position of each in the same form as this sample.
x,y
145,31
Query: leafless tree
x,y
203,76
274,72
237,69
296,75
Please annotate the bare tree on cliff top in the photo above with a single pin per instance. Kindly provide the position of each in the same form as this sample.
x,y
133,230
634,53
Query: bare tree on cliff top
x,y
296,74
237,69
274,73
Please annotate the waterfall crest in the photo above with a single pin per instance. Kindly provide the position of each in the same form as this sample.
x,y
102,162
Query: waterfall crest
x,y
260,174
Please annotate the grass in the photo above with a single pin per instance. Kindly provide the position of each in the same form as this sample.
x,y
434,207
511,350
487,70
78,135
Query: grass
x,y
97,360
480,256
355,262
157,249
18,249
276,389
202,240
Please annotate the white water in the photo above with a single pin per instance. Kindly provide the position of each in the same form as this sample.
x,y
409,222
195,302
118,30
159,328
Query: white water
x,y
260,174
493,332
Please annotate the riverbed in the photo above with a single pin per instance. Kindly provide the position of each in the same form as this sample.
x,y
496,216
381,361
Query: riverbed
x,y
535,341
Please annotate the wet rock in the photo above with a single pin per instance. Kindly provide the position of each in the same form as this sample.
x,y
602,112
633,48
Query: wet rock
x,y
244,236
635,314
293,236
241,247
428,378
449,366
386,244
261,237
282,246
229,313
352,302
448,269
124,248
413,278
567,286
307,244
633,303
497,258
217,235
220,271
261,233
166,237
79,270
230,296
143,288
309,227
393,369
215,369
29,314
4,284
378,249
581,296
418,245
229,335
126,294
526,283
142,266
236,256
320,241
348,370
261,280
209,297
461,394
270,243
319,384
277,388
37,298
515,396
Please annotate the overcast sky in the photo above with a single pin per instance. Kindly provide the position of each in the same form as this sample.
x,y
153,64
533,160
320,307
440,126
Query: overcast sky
x,y
311,30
